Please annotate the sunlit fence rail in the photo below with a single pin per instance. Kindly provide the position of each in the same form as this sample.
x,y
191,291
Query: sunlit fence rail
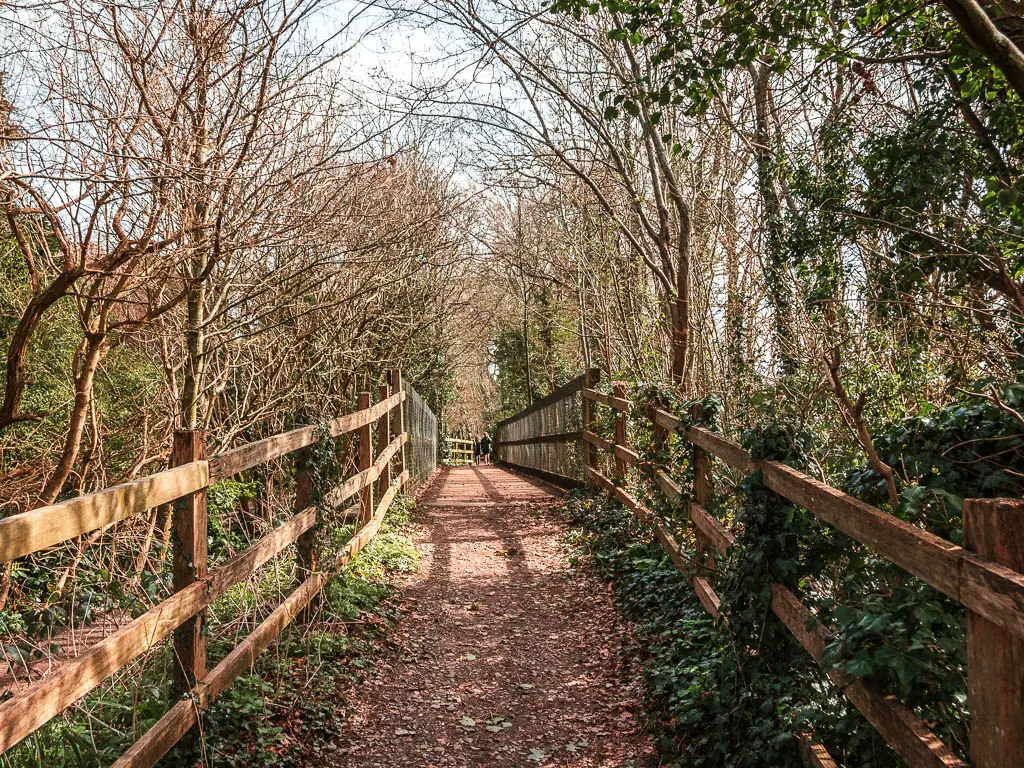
x,y
395,441
984,576
546,437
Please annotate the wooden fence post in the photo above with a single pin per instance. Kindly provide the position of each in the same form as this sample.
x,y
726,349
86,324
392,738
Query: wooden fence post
x,y
395,380
994,529
189,563
305,545
365,457
621,438
701,493
383,439
591,379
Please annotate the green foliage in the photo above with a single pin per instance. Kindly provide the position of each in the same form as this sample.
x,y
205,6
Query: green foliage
x,y
710,705
126,383
739,693
288,712
548,362
98,730
223,500
970,448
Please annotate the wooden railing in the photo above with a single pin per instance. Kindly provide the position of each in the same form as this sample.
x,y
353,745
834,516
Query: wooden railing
x,y
195,588
984,576
460,451
544,438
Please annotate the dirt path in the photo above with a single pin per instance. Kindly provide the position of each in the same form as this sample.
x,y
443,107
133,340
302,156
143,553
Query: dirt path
x,y
508,656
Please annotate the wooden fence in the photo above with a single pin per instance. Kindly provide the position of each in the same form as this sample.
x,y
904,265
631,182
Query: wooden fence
x,y
984,576
460,451
378,481
545,438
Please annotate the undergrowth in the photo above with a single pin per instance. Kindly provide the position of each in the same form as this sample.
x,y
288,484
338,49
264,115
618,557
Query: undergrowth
x,y
741,693
712,699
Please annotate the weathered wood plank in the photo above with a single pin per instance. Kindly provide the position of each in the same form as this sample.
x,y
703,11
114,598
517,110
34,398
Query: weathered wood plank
x,y
599,442
708,597
620,404
357,482
668,486
260,452
620,452
384,438
590,380
21,715
305,545
162,736
632,504
702,489
626,455
621,437
47,526
189,563
246,562
729,451
993,591
795,615
813,754
664,420
711,528
671,547
925,555
557,437
994,528
364,457
395,379
909,737
596,478
159,739
561,393
363,536
363,416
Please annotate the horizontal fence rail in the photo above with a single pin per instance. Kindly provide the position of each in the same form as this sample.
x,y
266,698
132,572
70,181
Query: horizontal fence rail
x,y
984,578
545,438
460,451
195,589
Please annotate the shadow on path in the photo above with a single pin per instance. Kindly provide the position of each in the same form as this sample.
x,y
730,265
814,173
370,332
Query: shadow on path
x,y
508,656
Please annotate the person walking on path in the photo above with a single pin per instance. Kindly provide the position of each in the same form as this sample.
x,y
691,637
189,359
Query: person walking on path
x,y
485,448
476,450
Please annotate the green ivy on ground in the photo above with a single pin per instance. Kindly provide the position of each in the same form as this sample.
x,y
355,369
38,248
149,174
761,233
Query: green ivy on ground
x,y
712,700
740,693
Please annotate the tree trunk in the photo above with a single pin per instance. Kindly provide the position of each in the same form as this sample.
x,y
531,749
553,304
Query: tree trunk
x,y
776,275
679,312
195,343
17,352
95,349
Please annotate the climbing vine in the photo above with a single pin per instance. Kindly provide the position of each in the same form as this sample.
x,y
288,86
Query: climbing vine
x,y
740,692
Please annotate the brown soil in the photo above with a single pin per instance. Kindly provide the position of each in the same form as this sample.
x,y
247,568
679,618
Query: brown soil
x,y
507,655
